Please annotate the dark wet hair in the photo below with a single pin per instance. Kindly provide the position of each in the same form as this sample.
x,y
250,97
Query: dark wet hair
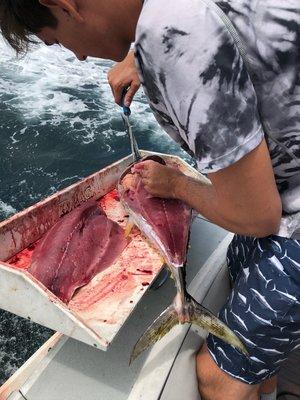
x,y
20,19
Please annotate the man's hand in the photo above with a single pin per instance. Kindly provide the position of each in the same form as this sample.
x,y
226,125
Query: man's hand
x,y
122,75
159,180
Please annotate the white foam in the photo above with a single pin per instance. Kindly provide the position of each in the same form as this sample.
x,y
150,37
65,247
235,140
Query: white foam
x,y
51,87
6,209
41,82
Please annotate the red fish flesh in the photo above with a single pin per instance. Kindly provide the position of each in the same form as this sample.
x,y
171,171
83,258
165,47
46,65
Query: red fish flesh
x,y
166,221
76,248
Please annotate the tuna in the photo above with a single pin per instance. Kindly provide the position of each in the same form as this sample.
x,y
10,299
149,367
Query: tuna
x,y
170,232
166,224
75,249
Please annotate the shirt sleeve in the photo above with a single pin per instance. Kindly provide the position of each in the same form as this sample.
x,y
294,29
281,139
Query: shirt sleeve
x,y
206,88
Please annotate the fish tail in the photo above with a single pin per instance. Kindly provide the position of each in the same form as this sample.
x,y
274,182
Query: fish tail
x,y
194,313
203,318
158,329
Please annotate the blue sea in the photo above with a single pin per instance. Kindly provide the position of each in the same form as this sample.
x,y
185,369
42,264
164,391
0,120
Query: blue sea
x,y
58,124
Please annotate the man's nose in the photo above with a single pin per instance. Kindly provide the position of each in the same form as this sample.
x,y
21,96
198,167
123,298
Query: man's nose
x,y
80,57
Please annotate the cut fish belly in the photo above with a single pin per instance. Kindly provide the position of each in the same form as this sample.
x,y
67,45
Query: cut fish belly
x,y
169,219
81,244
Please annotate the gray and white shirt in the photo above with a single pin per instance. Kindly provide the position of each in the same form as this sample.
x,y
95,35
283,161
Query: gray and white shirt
x,y
218,91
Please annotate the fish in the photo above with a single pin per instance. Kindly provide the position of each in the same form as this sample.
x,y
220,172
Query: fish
x,y
80,245
166,225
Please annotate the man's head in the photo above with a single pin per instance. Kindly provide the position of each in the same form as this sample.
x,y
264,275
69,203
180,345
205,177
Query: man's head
x,y
98,28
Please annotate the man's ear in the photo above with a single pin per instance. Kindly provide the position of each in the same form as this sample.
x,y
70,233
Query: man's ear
x,y
68,6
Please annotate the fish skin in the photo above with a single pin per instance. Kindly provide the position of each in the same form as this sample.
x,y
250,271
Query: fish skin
x,y
158,329
202,317
184,308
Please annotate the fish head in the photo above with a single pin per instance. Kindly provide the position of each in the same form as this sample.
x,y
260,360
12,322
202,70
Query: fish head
x,y
164,222
128,171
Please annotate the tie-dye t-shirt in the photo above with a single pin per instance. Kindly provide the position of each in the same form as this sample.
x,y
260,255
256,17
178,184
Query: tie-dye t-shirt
x,y
220,76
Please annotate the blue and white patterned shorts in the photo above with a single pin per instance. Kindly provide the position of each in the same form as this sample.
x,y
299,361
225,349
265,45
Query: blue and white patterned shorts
x,y
263,308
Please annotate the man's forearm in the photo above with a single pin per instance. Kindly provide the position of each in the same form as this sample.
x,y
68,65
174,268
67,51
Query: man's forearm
x,y
204,198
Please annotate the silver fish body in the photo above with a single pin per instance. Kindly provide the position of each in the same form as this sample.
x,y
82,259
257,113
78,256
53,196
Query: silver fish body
x,y
184,308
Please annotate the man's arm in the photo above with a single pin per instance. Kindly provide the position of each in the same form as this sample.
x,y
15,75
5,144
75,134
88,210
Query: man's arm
x,y
242,198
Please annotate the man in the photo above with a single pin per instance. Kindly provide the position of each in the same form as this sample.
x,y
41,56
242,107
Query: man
x,y
223,80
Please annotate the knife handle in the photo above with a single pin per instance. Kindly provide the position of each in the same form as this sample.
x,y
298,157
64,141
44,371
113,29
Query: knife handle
x,y
126,110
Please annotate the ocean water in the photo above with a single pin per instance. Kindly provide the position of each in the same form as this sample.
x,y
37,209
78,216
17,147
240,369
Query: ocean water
x,y
58,124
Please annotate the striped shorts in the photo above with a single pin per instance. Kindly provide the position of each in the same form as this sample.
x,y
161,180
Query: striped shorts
x,y
263,308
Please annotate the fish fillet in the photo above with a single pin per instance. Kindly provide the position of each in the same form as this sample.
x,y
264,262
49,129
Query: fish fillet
x,y
75,249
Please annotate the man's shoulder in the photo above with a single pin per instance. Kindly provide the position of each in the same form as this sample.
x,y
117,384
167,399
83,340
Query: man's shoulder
x,y
176,30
